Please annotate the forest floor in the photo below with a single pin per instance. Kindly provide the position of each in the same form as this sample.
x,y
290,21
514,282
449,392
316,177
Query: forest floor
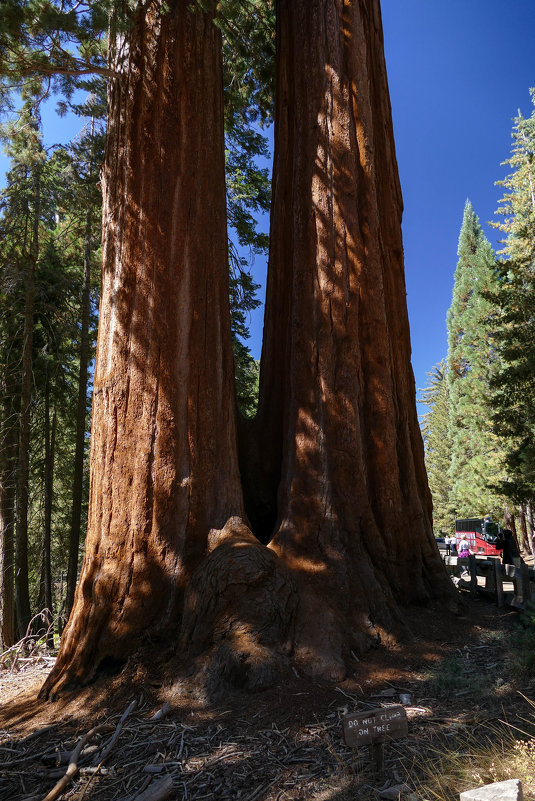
x,y
467,710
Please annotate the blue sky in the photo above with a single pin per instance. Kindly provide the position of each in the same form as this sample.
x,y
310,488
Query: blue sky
x,y
458,73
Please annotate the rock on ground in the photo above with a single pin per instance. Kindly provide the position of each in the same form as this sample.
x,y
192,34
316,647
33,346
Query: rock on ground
x,y
500,791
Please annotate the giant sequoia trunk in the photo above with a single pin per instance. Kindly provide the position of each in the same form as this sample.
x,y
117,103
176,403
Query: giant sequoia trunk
x,y
335,469
341,470
164,475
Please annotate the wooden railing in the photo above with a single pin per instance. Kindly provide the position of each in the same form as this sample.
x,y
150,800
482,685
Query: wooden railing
x,y
494,576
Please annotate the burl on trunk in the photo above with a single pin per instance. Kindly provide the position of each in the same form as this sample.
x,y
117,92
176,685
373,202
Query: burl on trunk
x,y
333,467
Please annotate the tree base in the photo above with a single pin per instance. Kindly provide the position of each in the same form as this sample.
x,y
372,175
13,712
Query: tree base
x,y
247,618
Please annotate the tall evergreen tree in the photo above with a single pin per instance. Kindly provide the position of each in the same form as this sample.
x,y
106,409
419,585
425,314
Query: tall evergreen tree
x,y
476,453
40,328
24,207
438,444
513,320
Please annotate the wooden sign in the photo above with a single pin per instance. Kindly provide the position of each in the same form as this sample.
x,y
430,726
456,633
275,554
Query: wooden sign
x,y
375,725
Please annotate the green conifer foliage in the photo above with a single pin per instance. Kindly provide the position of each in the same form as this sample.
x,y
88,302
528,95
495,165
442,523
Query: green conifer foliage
x,y
476,454
56,221
513,382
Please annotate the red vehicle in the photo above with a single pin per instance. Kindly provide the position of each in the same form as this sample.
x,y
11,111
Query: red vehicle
x,y
481,533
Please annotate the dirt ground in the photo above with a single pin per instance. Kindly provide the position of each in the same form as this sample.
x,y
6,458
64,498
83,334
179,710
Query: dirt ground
x,y
284,744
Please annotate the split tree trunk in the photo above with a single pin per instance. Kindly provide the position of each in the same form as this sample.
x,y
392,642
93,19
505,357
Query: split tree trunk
x,y
164,473
339,473
342,461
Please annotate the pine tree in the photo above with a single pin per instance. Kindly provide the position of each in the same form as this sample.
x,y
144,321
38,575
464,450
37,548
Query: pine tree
x,y
476,454
513,381
438,444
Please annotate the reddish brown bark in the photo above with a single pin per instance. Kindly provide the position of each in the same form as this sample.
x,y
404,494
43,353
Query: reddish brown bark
x,y
341,451
164,472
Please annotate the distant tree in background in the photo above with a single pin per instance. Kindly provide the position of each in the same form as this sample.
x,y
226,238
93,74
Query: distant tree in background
x,y
514,328
476,452
41,269
438,445
512,320
248,38
79,239
23,205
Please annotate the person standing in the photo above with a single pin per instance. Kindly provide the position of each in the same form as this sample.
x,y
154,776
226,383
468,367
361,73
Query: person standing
x,y
463,548
464,551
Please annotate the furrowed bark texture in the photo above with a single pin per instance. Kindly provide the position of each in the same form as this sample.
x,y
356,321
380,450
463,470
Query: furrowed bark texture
x,y
338,474
342,457
163,455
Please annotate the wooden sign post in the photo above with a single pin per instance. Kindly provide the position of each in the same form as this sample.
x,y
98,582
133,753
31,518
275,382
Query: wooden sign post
x,y
375,727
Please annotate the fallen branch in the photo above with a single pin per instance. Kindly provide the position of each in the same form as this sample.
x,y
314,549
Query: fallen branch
x,y
160,715
37,733
98,763
116,734
72,768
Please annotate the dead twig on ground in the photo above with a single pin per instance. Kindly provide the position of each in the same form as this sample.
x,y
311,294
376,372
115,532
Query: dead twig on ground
x,y
158,792
72,768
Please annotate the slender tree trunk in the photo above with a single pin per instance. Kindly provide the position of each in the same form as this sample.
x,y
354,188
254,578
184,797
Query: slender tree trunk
x,y
531,525
526,547
523,529
22,593
510,523
7,528
164,480
342,465
81,417
45,601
